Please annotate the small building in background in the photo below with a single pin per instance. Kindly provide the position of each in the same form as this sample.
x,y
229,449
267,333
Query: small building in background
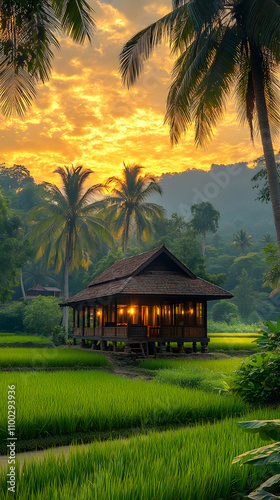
x,y
46,291
144,300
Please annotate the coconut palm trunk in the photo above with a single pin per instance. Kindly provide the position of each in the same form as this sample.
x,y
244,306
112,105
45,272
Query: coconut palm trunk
x,y
266,137
203,242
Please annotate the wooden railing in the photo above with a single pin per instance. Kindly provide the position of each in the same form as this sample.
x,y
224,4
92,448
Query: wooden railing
x,y
141,331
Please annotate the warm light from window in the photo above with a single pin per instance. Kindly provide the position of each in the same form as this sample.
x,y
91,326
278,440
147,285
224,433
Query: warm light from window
x,y
131,310
98,313
191,311
121,311
158,311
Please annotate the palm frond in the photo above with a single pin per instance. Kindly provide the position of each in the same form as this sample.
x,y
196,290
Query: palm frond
x,y
75,18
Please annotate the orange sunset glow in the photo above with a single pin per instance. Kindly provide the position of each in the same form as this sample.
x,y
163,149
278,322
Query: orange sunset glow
x,y
85,116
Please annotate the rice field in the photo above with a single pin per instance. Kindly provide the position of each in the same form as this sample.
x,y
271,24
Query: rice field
x,y
227,365
10,340
45,357
59,403
191,463
235,335
231,344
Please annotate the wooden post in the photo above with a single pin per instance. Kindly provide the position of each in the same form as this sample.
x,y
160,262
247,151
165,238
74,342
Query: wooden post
x,y
102,322
161,322
88,316
194,347
180,346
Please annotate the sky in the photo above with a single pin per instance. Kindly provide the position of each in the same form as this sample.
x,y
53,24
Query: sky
x,y
85,116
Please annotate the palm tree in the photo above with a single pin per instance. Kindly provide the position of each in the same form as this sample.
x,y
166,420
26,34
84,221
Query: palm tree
x,y
242,240
68,228
220,46
27,34
127,209
267,238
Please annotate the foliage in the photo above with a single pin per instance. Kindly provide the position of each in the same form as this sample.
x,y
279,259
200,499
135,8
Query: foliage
x,y
14,251
264,193
124,469
11,317
87,401
42,315
126,208
266,456
58,335
224,311
50,358
257,380
245,296
234,327
269,339
272,276
28,30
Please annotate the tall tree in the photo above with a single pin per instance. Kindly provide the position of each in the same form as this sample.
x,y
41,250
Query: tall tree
x,y
126,207
68,229
220,45
28,31
205,220
242,240
14,250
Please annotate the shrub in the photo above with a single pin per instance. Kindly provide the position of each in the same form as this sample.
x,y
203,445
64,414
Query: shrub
x,y
11,317
59,335
42,315
257,380
269,339
224,311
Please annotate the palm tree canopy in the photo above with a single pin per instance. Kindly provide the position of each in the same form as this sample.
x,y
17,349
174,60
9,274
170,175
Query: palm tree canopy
x,y
127,204
242,239
68,226
28,31
215,42
205,217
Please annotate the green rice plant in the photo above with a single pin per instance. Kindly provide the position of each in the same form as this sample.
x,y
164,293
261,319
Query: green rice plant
x,y
201,378
24,339
31,357
235,335
232,344
59,403
192,463
215,365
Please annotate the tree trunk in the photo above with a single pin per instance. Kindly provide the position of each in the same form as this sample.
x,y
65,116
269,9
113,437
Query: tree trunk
x,y
126,234
22,285
65,293
258,81
203,242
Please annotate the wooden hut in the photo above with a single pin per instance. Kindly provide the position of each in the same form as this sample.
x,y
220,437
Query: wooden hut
x,y
142,300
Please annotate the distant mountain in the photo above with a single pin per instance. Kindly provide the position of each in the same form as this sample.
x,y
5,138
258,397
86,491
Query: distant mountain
x,y
228,188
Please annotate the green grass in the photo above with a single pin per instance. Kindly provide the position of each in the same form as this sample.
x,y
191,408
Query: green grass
x,y
216,365
31,357
57,403
192,463
24,339
231,344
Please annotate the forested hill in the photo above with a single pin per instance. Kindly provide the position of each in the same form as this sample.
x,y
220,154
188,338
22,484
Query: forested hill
x,y
228,188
